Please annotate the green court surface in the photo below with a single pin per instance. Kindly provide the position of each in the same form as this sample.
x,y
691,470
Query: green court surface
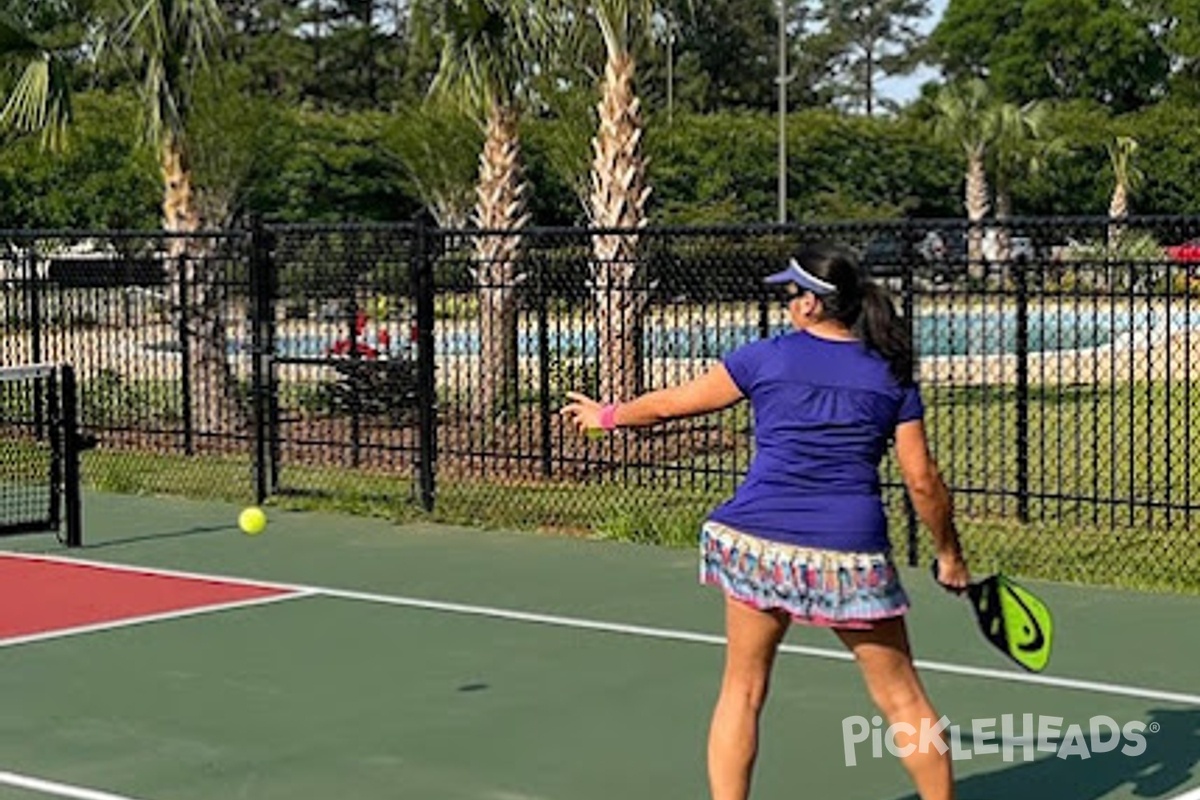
x,y
444,663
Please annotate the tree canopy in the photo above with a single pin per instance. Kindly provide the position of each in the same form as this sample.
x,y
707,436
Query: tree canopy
x,y
321,110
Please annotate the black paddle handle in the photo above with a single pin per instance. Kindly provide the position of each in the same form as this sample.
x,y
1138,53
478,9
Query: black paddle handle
x,y
933,566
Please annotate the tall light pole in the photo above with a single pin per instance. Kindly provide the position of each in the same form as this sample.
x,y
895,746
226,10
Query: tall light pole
x,y
664,26
782,80
670,70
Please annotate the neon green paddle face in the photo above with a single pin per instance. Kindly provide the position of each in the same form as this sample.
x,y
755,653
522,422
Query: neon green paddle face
x,y
1015,621
1028,626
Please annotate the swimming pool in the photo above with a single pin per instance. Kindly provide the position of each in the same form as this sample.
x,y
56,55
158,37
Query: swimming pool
x,y
950,333
947,333
309,345
986,333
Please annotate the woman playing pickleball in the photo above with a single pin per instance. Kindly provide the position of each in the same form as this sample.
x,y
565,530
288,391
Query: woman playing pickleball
x,y
805,537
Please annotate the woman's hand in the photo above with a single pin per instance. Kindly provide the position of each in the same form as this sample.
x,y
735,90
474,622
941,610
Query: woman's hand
x,y
952,572
583,412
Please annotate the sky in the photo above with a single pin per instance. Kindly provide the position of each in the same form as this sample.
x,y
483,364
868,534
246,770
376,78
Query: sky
x,y
908,87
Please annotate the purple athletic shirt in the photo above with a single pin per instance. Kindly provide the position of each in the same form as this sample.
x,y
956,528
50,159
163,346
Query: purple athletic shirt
x,y
824,412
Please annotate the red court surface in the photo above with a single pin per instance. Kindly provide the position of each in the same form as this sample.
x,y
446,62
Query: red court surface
x,y
43,596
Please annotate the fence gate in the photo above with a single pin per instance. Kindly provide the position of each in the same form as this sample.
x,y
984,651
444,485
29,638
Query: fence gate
x,y
337,373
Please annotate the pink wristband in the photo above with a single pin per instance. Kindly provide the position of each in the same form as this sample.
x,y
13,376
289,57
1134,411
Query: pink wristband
x,y
608,417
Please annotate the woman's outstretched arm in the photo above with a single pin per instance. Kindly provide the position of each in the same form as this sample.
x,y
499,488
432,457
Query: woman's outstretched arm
x,y
712,391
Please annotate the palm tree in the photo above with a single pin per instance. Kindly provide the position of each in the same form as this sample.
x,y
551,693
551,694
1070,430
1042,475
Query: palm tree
x,y
40,101
438,149
1015,150
1126,178
1021,146
964,115
487,47
618,198
167,45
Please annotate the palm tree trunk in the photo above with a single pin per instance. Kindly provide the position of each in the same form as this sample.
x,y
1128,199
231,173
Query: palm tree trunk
x,y
199,296
179,212
618,200
1004,234
977,208
500,206
1118,209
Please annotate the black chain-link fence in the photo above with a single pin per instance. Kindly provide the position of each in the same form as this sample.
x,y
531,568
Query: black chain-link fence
x,y
340,380
156,329
425,368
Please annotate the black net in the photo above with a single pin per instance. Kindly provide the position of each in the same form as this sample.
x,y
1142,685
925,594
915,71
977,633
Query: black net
x,y
31,449
40,445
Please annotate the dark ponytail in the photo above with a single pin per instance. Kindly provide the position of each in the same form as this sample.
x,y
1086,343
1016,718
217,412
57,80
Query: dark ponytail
x,y
863,305
885,330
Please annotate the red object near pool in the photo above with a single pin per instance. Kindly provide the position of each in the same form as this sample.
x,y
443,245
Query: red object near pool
x,y
1187,253
342,347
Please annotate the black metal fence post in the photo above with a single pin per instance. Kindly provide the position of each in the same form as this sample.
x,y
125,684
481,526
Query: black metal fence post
x,y
355,369
185,356
543,345
263,316
271,285
33,294
1022,347
426,383
33,288
908,309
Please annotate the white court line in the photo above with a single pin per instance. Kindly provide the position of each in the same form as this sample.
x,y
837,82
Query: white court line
x,y
129,622
814,652
671,634
168,573
57,789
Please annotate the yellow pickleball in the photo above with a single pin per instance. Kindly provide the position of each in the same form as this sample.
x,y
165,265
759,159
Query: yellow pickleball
x,y
252,521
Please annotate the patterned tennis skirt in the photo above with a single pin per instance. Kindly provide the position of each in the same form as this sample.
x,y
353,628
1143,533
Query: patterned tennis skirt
x,y
816,587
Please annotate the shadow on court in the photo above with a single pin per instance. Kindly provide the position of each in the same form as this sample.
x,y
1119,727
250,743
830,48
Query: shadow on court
x,y
1167,767
197,530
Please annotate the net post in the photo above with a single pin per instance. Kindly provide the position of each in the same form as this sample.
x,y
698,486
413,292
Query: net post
x,y
72,445
426,384
51,423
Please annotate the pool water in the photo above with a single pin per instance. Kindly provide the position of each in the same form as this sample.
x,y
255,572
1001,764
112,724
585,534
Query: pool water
x,y
940,334
297,346
951,333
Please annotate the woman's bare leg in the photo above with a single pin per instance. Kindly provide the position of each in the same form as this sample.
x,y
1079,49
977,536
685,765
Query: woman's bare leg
x,y
752,637
885,659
